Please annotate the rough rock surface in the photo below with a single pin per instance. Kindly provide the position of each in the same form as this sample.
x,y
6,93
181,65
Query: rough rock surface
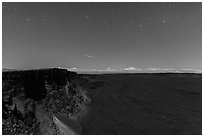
x,y
32,97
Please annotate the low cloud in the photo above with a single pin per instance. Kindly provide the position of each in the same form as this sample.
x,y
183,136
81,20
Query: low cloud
x,y
152,69
77,69
139,70
110,69
159,69
168,69
86,70
73,68
96,70
174,70
88,56
132,69
191,70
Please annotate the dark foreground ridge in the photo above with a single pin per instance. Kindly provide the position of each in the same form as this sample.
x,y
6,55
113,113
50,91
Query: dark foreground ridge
x,y
32,99
54,101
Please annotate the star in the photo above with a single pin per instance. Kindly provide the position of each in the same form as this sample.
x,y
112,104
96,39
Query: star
x,y
131,21
170,6
43,23
164,21
45,45
140,25
82,12
102,11
131,5
101,36
28,20
86,16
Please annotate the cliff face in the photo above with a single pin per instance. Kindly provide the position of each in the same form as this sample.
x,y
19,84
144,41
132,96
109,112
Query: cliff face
x,y
32,98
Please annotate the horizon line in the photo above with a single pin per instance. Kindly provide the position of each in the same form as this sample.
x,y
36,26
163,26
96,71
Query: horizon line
x,y
124,70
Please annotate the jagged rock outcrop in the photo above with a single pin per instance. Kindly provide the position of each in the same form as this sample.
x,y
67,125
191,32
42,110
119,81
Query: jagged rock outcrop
x,y
32,97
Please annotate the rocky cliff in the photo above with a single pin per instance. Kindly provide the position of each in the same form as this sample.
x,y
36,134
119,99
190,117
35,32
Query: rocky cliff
x,y
31,98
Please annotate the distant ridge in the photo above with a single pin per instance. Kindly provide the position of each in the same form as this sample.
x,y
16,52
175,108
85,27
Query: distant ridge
x,y
9,69
111,72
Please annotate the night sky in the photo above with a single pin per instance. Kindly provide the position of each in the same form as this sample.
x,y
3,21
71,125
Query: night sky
x,y
102,36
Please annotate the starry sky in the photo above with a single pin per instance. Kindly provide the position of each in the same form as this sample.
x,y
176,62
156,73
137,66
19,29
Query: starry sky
x,y
111,36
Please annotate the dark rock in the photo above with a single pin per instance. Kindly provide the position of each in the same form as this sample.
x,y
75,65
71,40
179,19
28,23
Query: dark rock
x,y
26,94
